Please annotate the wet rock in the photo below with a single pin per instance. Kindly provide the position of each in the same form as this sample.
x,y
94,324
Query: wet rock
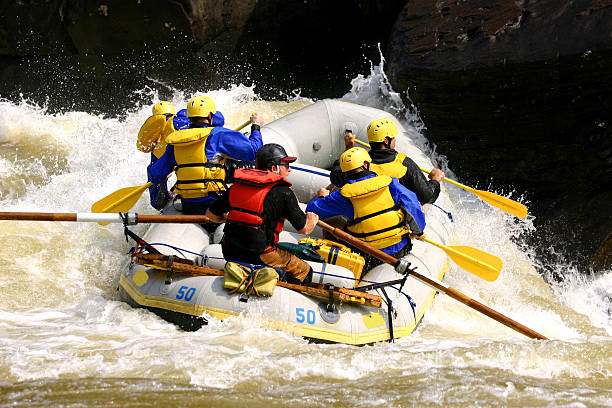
x,y
517,96
602,259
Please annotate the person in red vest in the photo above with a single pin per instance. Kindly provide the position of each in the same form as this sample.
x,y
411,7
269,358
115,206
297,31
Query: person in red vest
x,y
254,210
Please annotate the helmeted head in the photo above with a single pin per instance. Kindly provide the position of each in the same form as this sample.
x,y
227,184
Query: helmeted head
x,y
200,107
272,154
354,158
379,129
163,108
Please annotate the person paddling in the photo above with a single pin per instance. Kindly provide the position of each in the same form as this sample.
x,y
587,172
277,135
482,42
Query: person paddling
x,y
387,161
255,208
374,208
151,139
197,155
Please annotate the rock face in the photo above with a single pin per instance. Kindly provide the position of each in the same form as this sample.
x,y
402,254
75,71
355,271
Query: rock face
x,y
518,94
108,51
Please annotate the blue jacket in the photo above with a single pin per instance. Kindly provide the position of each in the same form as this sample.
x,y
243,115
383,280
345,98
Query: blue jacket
x,y
220,140
336,204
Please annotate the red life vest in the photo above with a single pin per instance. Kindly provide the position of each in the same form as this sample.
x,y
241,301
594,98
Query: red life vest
x,y
247,195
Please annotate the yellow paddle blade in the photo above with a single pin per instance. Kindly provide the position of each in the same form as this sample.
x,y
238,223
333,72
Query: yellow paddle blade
x,y
475,261
510,206
119,201
149,133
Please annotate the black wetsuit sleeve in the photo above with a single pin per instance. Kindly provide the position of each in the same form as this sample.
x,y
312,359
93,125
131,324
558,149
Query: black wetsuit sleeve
x,y
221,205
336,176
293,212
427,191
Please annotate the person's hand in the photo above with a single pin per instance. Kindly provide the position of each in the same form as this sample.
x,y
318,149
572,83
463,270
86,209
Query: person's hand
x,y
436,174
312,218
311,223
257,119
331,188
322,192
349,140
419,237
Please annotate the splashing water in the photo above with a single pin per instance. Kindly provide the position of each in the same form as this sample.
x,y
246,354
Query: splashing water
x,y
65,339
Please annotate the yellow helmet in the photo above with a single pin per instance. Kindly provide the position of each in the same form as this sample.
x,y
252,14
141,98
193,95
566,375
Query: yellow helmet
x,y
353,158
381,128
163,108
200,106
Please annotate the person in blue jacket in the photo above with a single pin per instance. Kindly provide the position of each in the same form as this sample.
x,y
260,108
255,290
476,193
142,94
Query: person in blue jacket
x,y
198,154
376,209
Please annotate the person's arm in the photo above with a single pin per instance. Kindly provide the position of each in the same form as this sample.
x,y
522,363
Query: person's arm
x,y
426,190
409,202
218,210
311,223
331,205
304,223
158,171
215,218
234,144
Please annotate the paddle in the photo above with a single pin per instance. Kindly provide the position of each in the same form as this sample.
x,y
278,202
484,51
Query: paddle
x,y
433,283
124,199
243,125
119,201
503,203
129,218
473,260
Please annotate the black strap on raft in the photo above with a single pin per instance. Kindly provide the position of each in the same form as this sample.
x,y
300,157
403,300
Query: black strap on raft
x,y
136,238
381,286
390,312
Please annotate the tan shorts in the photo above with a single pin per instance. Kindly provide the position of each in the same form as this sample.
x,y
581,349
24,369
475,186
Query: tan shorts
x,y
288,262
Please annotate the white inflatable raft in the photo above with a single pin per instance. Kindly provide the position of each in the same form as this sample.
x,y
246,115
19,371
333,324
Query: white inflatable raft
x,y
315,135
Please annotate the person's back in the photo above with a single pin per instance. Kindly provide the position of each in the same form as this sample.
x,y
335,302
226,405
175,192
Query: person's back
x,y
387,161
197,154
374,208
257,204
151,139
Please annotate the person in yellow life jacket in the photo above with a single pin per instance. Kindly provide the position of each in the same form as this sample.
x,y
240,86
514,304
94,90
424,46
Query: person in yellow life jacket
x,y
151,139
377,208
387,161
254,210
196,155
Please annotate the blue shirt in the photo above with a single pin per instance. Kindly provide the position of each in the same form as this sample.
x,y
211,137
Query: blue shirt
x,y
229,142
336,204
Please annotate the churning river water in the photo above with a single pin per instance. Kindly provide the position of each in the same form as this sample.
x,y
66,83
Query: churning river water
x,y
66,339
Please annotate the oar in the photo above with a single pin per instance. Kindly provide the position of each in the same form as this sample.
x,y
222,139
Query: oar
x,y
243,125
503,203
129,218
510,206
124,199
433,283
473,260
119,201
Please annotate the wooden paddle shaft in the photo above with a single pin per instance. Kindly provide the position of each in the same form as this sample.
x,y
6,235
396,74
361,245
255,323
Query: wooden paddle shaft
x,y
435,284
133,218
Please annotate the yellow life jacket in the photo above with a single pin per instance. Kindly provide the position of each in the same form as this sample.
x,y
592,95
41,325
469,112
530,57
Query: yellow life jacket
x,y
160,147
377,219
150,133
395,168
195,177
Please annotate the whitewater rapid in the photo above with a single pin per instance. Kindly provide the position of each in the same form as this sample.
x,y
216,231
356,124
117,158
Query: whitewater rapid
x,y
65,336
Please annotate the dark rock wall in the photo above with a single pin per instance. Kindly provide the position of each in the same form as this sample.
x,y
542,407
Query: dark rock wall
x,y
518,96
107,51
